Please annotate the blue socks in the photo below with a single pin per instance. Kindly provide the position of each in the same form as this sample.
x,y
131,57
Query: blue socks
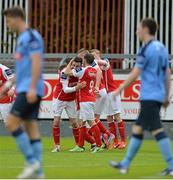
x,y
24,145
37,149
133,147
165,148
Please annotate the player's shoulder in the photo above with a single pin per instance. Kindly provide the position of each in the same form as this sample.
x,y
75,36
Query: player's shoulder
x,y
63,76
30,35
5,70
79,69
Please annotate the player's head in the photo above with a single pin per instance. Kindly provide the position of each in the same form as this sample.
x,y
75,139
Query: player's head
x,y
81,53
63,63
14,17
88,59
95,52
77,62
147,27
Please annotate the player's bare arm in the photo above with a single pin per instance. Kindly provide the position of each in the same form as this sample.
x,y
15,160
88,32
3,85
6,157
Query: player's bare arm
x,y
68,70
132,77
36,70
167,87
7,86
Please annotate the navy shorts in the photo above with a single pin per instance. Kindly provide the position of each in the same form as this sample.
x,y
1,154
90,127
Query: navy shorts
x,y
149,117
24,110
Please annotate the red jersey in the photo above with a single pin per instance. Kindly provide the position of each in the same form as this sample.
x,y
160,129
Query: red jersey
x,y
58,90
5,75
108,77
96,66
87,74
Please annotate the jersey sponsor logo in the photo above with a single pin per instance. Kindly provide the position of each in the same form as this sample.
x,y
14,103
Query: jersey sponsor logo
x,y
8,72
34,45
78,69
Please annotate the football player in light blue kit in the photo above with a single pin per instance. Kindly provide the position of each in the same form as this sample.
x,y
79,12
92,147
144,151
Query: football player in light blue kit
x,y
30,89
153,66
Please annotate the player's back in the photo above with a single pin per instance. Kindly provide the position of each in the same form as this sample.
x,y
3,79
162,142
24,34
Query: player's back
x,y
29,42
108,77
153,59
87,94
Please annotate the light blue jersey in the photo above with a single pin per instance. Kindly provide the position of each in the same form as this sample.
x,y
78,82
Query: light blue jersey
x,y
153,61
29,42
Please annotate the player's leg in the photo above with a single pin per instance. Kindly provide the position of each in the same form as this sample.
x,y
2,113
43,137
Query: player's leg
x,y
162,139
88,137
116,104
19,110
95,131
121,129
71,112
111,122
133,147
81,140
100,108
35,140
113,130
58,107
56,133
5,110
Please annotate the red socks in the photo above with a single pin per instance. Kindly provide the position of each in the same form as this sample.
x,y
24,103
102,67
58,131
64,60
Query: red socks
x,y
122,131
82,132
102,127
96,134
56,134
112,129
89,138
76,134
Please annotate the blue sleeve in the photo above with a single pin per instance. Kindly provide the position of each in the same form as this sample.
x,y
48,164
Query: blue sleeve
x,y
35,47
141,59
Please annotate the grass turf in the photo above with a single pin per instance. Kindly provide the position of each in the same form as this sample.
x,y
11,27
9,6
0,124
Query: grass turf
x,y
147,164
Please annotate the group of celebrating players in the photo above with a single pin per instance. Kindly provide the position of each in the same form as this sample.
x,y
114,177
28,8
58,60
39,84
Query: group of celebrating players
x,y
85,90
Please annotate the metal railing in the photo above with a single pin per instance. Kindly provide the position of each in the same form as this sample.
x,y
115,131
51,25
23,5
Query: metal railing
x,y
127,61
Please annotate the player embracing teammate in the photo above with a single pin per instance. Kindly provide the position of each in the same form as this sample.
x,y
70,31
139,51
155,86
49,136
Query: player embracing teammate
x,y
113,108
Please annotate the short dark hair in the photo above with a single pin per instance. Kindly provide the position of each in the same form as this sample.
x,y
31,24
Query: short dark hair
x,y
15,12
63,63
78,59
89,58
151,24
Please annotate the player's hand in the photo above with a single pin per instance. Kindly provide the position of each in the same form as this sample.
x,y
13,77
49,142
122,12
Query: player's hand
x,y
31,96
96,91
166,103
11,92
80,85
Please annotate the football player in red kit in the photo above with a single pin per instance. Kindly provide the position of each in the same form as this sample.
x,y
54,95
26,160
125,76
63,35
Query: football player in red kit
x,y
64,98
113,109
87,100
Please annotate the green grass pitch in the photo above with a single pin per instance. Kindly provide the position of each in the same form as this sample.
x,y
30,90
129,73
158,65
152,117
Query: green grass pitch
x,y
147,164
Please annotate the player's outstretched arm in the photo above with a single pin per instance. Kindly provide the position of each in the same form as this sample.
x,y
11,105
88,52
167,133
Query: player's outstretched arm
x,y
132,77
